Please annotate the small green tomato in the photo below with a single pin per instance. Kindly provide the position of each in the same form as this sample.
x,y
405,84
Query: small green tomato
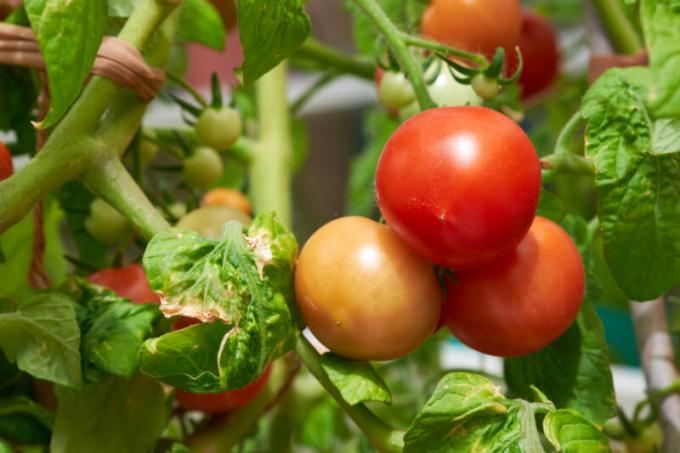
x,y
219,128
485,87
395,90
203,168
106,224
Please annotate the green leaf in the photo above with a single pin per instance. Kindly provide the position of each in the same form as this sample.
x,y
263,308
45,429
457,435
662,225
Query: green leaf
x,y
550,206
112,416
666,136
69,33
24,421
357,381
637,190
42,336
241,284
568,432
323,426
467,412
360,198
113,329
574,371
660,19
269,33
199,21
17,95
15,245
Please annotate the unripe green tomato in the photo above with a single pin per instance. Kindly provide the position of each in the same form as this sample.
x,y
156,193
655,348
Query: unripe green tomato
x,y
219,128
203,168
208,221
106,224
485,87
395,90
648,441
445,91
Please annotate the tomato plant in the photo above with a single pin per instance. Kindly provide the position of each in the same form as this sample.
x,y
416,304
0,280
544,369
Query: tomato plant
x,y
544,232
128,281
460,185
521,302
383,305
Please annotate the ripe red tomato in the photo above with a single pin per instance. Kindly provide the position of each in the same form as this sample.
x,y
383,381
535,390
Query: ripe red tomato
x,y
363,293
473,25
460,185
540,52
521,302
129,282
6,167
219,403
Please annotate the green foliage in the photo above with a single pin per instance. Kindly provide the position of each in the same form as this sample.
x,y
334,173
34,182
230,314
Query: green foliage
x,y
550,206
113,330
113,416
42,336
357,381
24,422
568,432
200,22
17,92
69,33
637,190
269,33
243,282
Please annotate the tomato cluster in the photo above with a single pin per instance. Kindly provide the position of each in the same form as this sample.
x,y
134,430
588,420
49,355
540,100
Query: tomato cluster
x,y
458,187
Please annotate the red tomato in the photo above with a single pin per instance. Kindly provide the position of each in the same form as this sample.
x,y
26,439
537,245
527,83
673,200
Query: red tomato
x,y
460,185
129,282
184,321
473,25
540,52
522,302
6,167
219,403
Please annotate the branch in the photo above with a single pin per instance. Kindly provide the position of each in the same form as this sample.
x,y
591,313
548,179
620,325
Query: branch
x,y
331,58
620,31
658,363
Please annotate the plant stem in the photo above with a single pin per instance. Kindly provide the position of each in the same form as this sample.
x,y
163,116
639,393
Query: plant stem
x,y
270,169
395,39
318,84
622,34
417,41
382,436
331,58
110,180
658,362
179,81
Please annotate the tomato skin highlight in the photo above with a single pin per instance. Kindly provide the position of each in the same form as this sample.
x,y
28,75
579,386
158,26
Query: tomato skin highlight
x,y
222,402
522,302
129,282
223,196
473,25
6,166
540,54
363,293
459,185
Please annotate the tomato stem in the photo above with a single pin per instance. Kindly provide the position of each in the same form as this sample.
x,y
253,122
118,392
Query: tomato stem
x,y
417,41
621,33
270,168
563,159
335,60
382,436
395,39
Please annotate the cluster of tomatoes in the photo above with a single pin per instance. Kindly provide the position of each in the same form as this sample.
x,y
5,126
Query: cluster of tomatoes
x,y
458,188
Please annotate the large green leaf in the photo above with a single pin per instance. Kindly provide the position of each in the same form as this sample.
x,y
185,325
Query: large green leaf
x,y
113,416
568,432
42,336
269,32
637,190
660,19
24,421
69,33
113,330
199,21
357,381
241,284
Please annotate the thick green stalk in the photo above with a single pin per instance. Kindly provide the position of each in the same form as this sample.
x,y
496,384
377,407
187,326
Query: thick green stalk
x,y
111,181
622,34
382,436
333,59
270,168
395,40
